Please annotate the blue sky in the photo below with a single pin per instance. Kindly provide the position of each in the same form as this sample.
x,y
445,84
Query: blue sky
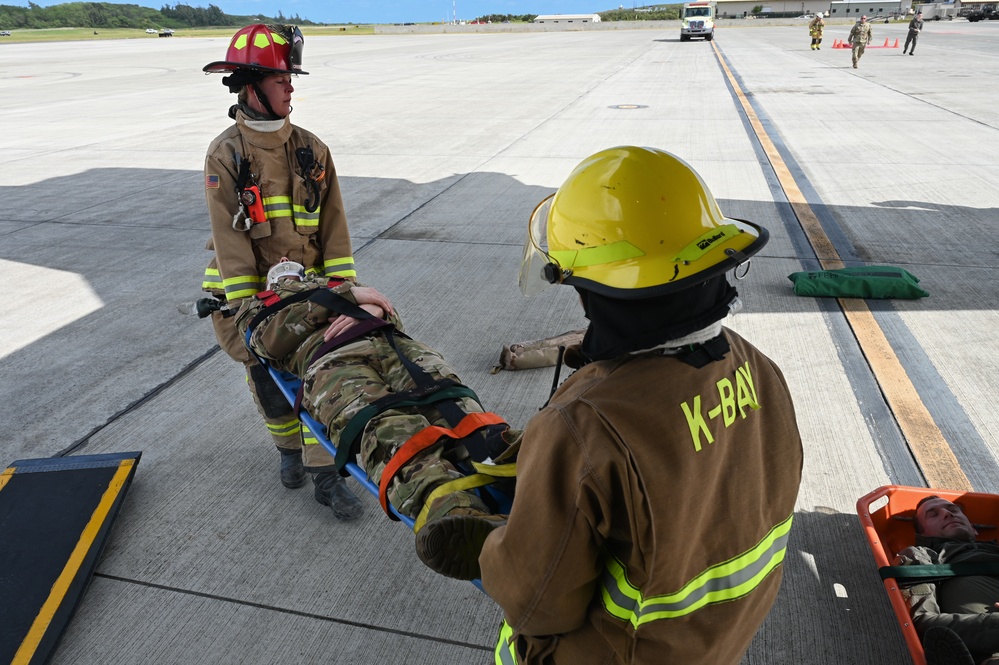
x,y
387,11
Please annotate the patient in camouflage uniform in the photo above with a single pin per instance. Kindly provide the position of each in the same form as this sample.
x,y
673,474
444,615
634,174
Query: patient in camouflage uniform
x,y
353,375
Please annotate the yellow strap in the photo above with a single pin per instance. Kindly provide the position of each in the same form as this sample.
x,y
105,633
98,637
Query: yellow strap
x,y
496,470
463,483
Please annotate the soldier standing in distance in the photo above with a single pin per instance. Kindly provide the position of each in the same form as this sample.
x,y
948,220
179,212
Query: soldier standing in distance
x,y
915,27
860,36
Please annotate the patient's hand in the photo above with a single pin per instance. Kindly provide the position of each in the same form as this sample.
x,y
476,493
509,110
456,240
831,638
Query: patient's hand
x,y
340,324
365,295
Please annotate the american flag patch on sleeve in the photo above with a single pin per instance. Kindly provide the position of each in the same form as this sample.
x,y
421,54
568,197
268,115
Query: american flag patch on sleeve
x,y
211,182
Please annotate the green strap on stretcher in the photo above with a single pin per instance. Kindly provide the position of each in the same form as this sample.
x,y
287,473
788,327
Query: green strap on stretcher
x,y
938,571
352,432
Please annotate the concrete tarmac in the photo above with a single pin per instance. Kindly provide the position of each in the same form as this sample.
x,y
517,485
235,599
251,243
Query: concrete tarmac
x,y
443,146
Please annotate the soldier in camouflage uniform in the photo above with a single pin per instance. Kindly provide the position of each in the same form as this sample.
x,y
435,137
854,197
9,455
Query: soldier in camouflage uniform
x,y
350,377
860,36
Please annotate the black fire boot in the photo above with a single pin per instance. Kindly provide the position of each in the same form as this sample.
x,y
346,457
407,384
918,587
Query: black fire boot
x,y
292,471
332,491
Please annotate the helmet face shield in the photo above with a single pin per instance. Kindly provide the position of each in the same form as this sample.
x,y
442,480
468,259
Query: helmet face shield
x,y
538,270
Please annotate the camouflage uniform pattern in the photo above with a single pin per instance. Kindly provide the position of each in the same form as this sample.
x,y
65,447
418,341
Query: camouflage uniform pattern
x,y
860,36
349,378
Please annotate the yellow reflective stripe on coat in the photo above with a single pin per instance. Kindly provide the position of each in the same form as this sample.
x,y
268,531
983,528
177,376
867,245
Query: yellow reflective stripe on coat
x,y
504,646
339,267
277,206
723,582
304,218
243,286
213,280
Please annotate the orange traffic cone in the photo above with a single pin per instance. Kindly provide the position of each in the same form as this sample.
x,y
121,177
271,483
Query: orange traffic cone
x,y
886,43
896,43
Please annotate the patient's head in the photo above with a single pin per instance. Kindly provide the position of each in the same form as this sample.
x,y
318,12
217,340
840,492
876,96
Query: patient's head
x,y
939,518
285,269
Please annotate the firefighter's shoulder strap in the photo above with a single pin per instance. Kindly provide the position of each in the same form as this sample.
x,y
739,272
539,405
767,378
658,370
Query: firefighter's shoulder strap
x,y
243,172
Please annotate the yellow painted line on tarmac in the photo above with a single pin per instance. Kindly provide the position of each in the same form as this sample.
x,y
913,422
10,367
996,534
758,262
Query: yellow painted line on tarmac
x,y
924,438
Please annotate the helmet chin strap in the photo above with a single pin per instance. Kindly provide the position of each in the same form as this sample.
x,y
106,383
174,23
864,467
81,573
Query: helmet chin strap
x,y
262,98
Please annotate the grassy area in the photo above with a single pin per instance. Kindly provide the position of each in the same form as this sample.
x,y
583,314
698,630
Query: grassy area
x,y
81,34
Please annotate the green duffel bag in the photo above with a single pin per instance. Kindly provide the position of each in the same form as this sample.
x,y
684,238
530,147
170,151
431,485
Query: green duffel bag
x,y
860,282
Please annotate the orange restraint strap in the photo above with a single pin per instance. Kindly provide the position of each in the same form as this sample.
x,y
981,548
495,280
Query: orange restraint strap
x,y
424,439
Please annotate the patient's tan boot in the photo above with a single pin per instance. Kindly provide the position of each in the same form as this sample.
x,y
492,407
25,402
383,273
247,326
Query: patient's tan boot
x,y
450,545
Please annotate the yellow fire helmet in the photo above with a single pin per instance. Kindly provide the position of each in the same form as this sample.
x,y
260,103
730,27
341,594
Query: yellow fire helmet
x,y
632,222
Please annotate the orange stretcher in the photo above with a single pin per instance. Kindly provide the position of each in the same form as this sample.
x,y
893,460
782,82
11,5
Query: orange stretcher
x,y
886,515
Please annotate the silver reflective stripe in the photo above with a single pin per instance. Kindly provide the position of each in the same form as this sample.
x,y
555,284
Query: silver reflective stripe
x,y
277,206
504,646
722,582
304,217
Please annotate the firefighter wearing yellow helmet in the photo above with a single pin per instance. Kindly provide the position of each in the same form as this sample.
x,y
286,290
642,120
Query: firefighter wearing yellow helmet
x,y
633,223
273,194
655,490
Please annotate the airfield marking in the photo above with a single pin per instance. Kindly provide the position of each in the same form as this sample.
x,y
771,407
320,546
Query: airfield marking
x,y
924,438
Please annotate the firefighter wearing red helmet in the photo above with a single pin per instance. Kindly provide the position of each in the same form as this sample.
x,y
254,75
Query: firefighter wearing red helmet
x,y
272,192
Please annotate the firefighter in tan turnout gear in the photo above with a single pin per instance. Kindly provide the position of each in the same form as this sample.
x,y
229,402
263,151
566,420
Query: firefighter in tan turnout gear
x,y
272,192
655,491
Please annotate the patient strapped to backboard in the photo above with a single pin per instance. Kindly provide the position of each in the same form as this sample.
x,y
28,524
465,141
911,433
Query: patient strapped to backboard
x,y
421,436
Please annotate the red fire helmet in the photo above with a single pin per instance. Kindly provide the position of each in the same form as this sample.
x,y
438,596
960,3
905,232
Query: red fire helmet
x,y
265,49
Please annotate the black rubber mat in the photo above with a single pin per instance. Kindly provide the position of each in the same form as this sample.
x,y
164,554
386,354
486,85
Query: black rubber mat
x,y
55,515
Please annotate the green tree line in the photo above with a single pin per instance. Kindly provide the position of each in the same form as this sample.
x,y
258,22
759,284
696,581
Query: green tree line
x,y
106,15
654,13
506,18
